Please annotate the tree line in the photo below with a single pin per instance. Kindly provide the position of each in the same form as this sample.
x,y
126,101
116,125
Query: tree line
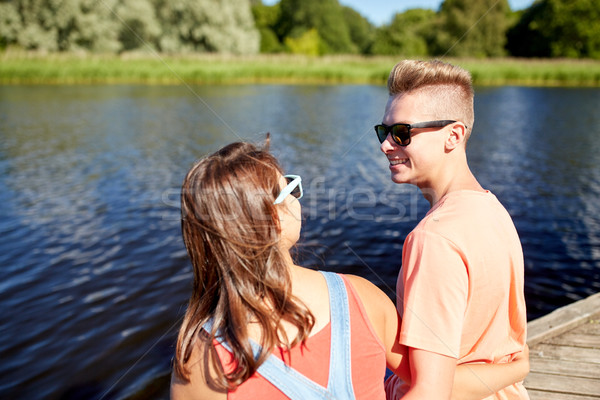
x,y
461,28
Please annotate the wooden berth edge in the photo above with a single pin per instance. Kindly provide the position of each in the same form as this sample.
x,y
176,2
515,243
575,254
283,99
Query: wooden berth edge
x,y
563,319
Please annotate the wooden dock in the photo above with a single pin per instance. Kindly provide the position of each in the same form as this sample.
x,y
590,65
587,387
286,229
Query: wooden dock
x,y
564,353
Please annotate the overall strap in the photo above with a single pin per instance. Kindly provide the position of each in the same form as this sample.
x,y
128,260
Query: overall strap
x,y
297,386
340,364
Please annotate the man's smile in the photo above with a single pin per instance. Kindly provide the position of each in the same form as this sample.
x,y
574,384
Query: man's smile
x,y
398,161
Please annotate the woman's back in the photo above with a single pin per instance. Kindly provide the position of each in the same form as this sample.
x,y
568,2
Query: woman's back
x,y
362,363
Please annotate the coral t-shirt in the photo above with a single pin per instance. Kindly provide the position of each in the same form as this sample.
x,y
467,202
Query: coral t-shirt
x,y
460,289
312,359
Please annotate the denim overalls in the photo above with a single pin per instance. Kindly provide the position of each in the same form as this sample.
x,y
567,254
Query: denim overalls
x,y
295,385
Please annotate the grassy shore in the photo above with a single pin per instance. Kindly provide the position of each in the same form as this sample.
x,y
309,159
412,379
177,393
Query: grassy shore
x,y
35,68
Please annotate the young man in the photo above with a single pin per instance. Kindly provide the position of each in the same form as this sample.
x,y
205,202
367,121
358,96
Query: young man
x,y
460,288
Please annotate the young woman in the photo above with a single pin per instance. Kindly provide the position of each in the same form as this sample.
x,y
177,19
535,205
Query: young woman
x,y
258,326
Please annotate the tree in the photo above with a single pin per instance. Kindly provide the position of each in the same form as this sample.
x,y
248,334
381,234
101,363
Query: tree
x,y
308,43
117,25
10,24
66,25
326,16
207,26
557,28
406,35
472,28
266,18
139,26
362,32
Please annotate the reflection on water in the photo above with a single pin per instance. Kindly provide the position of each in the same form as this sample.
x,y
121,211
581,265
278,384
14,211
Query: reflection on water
x,y
94,276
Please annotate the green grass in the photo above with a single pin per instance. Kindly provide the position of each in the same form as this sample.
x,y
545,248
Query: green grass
x,y
536,72
34,68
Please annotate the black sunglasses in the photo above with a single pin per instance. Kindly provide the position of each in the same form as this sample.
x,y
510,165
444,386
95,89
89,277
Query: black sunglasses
x,y
401,132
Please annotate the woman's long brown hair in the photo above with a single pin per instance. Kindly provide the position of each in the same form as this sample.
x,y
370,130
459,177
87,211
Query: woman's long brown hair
x,y
231,231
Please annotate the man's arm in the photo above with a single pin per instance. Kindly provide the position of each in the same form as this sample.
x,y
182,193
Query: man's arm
x,y
469,382
476,381
432,375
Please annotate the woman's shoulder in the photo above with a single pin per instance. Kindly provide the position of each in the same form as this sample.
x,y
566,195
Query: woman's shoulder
x,y
379,309
366,289
377,304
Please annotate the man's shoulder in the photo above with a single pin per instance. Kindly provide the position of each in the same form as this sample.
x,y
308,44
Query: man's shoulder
x,y
468,206
463,217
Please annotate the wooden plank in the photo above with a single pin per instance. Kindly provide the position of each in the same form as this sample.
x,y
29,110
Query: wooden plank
x,y
566,353
563,367
575,339
563,384
544,395
563,319
592,327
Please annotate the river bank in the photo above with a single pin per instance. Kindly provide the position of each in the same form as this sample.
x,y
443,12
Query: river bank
x,y
147,68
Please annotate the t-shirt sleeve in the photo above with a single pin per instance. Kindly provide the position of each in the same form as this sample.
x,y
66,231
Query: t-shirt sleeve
x,y
435,280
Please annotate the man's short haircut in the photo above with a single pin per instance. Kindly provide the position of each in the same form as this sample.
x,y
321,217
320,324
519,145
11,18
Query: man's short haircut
x,y
449,88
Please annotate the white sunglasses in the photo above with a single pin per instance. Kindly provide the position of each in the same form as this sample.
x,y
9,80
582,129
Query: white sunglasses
x,y
294,187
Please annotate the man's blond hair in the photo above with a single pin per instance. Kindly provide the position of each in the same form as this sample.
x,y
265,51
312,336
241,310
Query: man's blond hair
x,y
449,88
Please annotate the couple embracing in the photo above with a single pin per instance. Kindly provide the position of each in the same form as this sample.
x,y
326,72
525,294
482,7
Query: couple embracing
x,y
258,326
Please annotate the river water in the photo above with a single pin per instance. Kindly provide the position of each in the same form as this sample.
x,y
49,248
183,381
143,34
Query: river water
x,y
93,273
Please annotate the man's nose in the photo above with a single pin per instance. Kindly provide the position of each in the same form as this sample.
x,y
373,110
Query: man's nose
x,y
387,145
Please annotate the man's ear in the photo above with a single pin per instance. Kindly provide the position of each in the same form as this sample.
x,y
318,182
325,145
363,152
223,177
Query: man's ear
x,y
456,137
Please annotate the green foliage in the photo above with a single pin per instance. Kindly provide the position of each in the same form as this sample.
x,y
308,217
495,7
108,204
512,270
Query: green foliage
x,y
302,24
557,28
117,25
64,25
406,35
10,24
362,32
309,43
266,18
139,27
472,28
326,16
463,28
269,42
207,26
93,27
525,39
